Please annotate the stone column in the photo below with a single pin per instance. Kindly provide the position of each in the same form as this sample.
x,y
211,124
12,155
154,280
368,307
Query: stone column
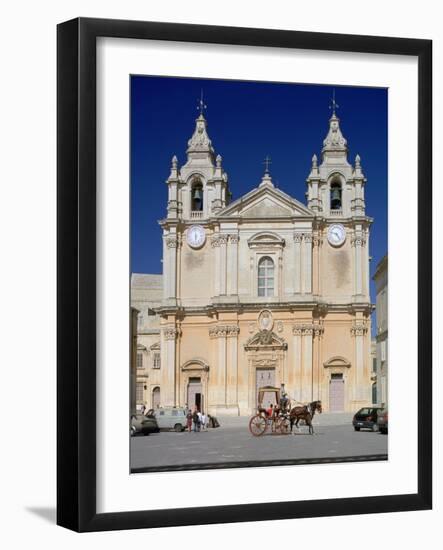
x,y
172,242
219,374
165,269
294,370
297,262
366,265
306,374
168,386
223,239
358,330
307,263
232,271
358,241
216,247
316,279
232,368
316,362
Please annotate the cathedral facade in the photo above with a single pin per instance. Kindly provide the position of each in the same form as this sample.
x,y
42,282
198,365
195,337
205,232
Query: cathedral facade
x,y
264,290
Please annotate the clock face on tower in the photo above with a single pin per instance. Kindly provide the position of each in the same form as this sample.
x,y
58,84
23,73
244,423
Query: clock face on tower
x,y
196,236
336,234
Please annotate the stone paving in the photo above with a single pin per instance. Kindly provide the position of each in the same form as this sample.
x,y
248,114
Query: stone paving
x,y
231,443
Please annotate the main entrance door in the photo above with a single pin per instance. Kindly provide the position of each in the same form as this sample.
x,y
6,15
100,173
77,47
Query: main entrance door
x,y
195,395
265,377
337,393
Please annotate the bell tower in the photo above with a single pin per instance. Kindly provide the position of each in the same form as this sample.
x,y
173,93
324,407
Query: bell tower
x,y
200,187
335,187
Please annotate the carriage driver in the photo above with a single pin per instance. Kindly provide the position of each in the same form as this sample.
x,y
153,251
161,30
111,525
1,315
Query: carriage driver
x,y
284,401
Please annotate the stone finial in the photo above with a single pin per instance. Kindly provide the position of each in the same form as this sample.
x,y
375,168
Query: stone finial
x,y
218,161
174,169
314,161
334,141
200,142
357,161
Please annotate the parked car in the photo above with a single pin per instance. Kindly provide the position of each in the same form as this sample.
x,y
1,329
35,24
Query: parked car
x,y
170,418
382,421
366,418
144,425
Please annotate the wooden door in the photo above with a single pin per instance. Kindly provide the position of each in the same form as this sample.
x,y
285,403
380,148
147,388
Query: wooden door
x,y
336,393
265,377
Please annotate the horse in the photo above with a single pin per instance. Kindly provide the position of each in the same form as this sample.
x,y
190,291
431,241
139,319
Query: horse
x,y
305,413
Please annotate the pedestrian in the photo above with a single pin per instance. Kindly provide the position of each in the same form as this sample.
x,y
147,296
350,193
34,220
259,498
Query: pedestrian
x,y
204,420
143,409
195,420
189,421
200,420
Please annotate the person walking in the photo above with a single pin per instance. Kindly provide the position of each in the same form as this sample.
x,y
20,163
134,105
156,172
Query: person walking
x,y
199,414
203,421
189,421
195,420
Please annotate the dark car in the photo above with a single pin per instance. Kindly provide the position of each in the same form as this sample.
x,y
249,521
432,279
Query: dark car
x,y
366,418
144,425
382,421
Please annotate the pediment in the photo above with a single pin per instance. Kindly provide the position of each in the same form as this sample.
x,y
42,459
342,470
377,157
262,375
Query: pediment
x,y
265,339
265,202
337,361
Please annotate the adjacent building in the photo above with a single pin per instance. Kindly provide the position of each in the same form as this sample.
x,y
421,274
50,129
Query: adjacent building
x,y
262,290
381,284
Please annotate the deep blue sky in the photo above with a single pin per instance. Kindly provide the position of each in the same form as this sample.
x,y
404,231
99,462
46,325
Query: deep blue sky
x,y
246,122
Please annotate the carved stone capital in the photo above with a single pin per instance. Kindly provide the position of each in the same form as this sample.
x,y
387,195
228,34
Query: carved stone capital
x,y
298,237
223,331
307,237
359,328
305,329
170,333
233,238
358,239
215,241
173,241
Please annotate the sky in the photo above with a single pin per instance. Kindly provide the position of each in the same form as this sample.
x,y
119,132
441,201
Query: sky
x,y
246,122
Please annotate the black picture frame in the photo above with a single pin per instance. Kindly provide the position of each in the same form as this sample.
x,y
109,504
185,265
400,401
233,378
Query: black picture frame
x,y
76,264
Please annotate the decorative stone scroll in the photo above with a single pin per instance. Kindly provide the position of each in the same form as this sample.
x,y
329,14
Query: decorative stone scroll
x,y
265,339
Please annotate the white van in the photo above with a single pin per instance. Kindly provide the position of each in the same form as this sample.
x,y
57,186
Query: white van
x,y
171,418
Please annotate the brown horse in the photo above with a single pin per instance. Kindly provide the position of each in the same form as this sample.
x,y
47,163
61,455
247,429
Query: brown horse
x,y
305,413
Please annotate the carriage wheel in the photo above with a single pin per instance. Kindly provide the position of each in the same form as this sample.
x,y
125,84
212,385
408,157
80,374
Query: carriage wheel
x,y
284,426
257,425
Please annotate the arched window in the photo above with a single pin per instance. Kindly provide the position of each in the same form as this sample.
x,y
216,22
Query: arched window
x,y
335,195
266,277
156,398
197,197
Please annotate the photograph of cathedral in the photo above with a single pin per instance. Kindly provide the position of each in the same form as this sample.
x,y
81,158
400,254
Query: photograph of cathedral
x,y
258,281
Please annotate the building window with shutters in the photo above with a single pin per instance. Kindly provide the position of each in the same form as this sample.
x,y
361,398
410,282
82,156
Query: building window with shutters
x,y
156,361
139,392
139,360
266,277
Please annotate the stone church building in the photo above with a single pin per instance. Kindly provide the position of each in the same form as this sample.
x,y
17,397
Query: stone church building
x,y
262,290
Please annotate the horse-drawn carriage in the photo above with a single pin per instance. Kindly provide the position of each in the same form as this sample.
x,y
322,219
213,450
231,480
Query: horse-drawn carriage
x,y
280,418
275,418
